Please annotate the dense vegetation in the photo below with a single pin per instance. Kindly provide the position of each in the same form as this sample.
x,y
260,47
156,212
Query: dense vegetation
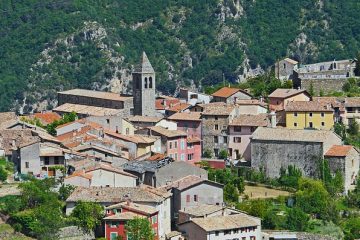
x,y
89,42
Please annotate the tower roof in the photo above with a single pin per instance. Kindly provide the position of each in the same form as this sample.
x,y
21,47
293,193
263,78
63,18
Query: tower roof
x,y
144,66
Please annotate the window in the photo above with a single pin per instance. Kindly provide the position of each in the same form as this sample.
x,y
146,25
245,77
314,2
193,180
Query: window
x,y
108,121
175,156
252,238
195,198
175,144
310,124
114,224
154,219
137,84
295,124
216,233
47,161
146,83
310,114
171,156
216,127
56,160
295,114
216,152
150,82
225,139
216,118
323,124
284,66
117,129
237,129
243,238
170,145
190,156
182,144
227,232
322,114
252,129
216,139
113,236
27,165
237,139
182,157
187,198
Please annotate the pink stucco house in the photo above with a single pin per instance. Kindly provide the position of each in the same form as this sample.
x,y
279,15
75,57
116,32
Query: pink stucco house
x,y
240,130
177,144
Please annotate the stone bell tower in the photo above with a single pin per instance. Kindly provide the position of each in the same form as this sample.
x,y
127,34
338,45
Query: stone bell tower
x,y
144,88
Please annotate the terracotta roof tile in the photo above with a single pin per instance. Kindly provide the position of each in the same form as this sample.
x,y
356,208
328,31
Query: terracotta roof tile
x,y
226,92
305,106
352,102
47,117
141,208
131,138
286,93
218,108
167,133
186,116
260,120
179,107
188,181
338,151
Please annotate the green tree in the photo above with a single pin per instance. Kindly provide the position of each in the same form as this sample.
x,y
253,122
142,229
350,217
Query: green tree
x,y
313,198
139,229
231,193
297,220
65,190
223,154
3,174
352,228
207,153
311,89
87,215
36,192
353,128
290,178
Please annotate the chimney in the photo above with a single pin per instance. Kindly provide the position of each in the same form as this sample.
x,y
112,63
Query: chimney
x,y
273,119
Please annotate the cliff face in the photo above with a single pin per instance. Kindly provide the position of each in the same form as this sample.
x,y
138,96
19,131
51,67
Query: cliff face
x,y
52,45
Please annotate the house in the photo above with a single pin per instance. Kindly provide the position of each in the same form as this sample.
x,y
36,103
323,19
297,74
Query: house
x,y
118,215
160,172
252,106
284,69
352,107
78,126
224,227
309,114
180,107
137,145
165,102
144,121
189,122
7,119
103,153
113,123
101,175
44,118
230,95
281,97
337,104
145,195
192,191
203,211
216,118
344,158
324,76
274,148
240,130
193,98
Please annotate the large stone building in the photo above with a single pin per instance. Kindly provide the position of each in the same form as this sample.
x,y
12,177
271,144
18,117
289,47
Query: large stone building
x,y
284,69
273,148
144,88
230,95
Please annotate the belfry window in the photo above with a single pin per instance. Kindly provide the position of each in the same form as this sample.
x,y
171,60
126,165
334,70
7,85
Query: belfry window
x,y
146,83
150,82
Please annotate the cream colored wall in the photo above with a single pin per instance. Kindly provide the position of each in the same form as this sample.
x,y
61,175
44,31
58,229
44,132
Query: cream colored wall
x,y
303,119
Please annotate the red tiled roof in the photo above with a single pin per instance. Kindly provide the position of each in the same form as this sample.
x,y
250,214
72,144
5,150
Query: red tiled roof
x,y
47,117
227,92
156,157
286,93
338,151
162,104
304,106
179,107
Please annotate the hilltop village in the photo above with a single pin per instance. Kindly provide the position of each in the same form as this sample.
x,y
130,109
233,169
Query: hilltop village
x,y
189,164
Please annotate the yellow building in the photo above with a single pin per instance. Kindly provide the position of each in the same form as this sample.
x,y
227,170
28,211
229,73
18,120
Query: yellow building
x,y
300,115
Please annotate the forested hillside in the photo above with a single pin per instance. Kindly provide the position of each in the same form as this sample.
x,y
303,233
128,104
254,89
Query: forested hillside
x,y
50,45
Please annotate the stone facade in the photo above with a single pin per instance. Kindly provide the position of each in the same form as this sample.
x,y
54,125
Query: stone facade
x,y
284,69
325,85
144,88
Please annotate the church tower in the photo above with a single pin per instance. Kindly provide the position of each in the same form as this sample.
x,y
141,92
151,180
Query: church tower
x,y
144,88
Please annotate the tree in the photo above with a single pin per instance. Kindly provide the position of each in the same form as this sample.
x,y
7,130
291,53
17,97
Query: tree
x,y
87,215
297,220
231,193
3,174
207,153
223,154
65,190
313,198
353,128
311,89
290,178
352,228
139,229
36,192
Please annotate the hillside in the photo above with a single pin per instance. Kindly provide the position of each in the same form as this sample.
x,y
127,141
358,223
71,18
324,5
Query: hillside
x,y
51,45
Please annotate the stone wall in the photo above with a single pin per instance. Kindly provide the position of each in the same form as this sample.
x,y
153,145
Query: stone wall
x,y
272,155
326,85
209,132
90,101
